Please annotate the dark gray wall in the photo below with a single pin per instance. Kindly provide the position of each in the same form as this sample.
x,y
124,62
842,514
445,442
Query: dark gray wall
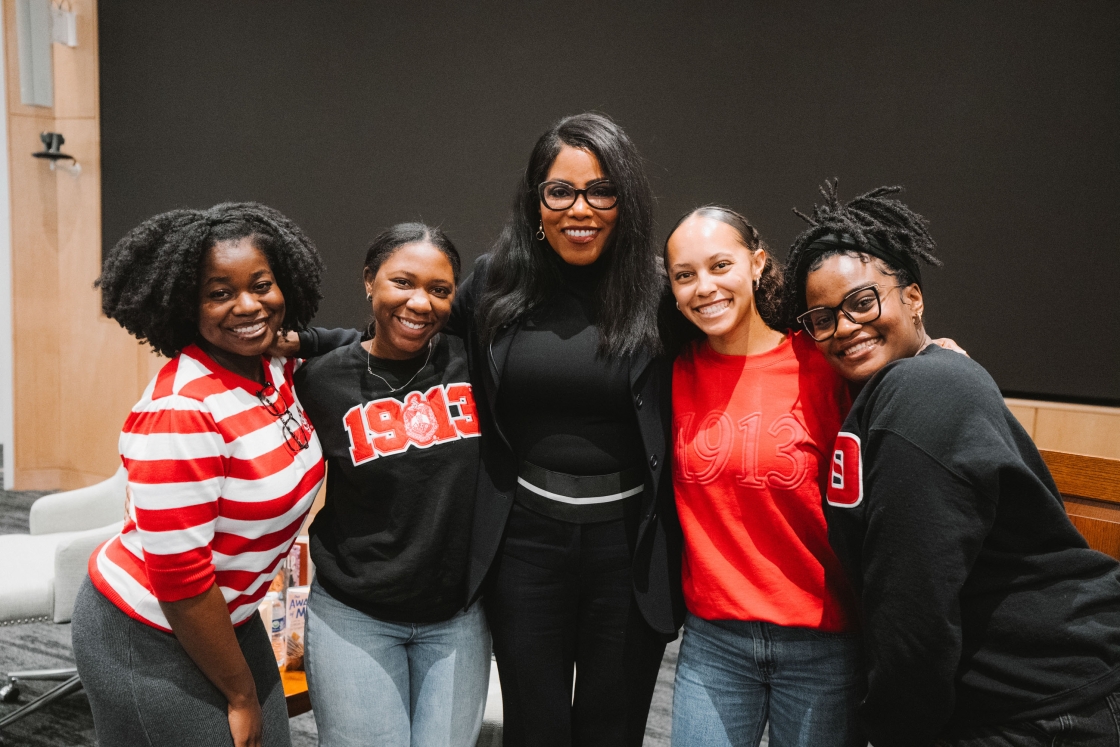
x,y
1001,119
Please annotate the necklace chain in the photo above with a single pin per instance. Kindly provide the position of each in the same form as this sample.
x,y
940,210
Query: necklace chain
x,y
369,369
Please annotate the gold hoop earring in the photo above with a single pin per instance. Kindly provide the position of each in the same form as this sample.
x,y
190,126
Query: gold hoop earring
x,y
757,282
540,232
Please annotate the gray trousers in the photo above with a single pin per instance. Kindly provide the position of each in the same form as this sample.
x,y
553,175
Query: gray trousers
x,y
145,691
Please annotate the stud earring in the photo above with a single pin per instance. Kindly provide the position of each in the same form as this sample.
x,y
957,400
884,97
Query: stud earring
x,y
540,231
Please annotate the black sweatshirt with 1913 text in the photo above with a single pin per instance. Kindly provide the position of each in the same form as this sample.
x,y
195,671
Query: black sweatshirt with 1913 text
x,y
393,535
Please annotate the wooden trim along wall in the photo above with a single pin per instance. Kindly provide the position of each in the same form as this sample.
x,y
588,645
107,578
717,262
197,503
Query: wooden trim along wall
x,y
1090,487
75,374
1077,429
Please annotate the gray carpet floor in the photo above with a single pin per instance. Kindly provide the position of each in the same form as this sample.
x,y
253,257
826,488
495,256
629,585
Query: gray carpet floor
x,y
68,723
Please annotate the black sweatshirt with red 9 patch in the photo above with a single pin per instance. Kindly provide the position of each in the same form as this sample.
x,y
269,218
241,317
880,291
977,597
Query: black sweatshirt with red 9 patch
x,y
981,602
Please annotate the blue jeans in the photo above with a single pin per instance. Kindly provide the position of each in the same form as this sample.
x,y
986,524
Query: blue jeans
x,y
735,676
395,684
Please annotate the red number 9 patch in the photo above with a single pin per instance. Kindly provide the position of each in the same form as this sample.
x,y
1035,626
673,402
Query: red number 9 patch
x,y
845,482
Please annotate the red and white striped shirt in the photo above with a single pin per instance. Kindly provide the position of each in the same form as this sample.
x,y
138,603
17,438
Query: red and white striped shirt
x,y
217,488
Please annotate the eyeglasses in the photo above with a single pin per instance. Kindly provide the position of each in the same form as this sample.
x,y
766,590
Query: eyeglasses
x,y
560,196
861,306
296,430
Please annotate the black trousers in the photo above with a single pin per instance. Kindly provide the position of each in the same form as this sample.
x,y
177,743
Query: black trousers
x,y
560,601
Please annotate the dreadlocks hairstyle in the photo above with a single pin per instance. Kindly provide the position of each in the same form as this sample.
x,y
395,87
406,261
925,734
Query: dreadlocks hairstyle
x,y
522,274
871,225
768,298
149,280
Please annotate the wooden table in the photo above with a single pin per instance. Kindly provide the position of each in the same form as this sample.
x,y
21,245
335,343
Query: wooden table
x,y
295,692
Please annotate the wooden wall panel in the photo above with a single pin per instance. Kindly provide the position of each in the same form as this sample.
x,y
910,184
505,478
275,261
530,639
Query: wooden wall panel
x,y
76,373
1101,534
36,317
76,69
1090,487
1098,522
1025,415
1085,477
1078,431
94,410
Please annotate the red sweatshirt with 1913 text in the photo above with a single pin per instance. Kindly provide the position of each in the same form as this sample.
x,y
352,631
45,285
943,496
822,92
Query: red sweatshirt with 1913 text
x,y
753,441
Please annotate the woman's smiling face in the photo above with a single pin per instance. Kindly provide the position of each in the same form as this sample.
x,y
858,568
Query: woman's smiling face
x,y
580,233
712,276
411,299
240,306
859,351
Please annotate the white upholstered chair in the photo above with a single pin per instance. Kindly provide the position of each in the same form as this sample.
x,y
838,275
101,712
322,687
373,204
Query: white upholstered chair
x,y
40,572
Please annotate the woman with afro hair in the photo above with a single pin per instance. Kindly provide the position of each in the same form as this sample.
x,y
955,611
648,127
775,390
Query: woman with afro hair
x,y
987,620
222,464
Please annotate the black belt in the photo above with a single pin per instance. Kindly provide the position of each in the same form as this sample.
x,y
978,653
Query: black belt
x,y
577,499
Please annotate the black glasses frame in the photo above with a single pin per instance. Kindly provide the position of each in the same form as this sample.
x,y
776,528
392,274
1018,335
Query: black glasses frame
x,y
576,195
806,324
296,430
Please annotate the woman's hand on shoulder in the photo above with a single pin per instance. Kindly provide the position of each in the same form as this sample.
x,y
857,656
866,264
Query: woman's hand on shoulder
x,y
945,342
286,345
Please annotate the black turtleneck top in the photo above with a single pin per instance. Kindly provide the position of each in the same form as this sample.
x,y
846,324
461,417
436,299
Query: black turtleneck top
x,y
562,405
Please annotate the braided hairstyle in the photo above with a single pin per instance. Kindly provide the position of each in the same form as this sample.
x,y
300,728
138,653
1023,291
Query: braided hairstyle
x,y
149,280
871,219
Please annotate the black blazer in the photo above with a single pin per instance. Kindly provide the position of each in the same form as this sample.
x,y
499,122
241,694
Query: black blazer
x,y
656,564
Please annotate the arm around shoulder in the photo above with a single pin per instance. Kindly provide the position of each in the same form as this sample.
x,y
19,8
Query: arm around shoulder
x,y
316,341
466,298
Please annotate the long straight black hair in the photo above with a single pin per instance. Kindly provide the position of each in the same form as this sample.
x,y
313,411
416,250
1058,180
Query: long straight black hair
x,y
522,275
